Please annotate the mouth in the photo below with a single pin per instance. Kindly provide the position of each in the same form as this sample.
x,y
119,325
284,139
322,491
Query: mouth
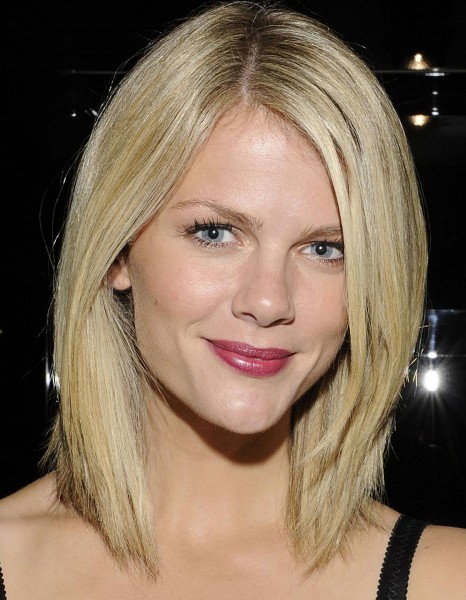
x,y
252,361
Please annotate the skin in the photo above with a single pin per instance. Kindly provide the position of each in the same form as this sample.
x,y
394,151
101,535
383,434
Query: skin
x,y
218,439
263,284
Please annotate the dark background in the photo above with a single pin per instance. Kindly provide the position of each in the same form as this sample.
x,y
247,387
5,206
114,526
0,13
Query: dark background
x,y
58,62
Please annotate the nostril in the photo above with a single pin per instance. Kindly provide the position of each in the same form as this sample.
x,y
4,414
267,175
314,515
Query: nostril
x,y
264,300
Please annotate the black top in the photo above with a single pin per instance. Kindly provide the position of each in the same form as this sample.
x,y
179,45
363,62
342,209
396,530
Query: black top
x,y
393,580
2,586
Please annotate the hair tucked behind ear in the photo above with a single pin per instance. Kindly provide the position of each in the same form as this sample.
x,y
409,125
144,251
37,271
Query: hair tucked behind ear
x,y
143,142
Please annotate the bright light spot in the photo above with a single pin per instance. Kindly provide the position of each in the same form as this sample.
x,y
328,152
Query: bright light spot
x,y
432,354
431,380
418,62
419,120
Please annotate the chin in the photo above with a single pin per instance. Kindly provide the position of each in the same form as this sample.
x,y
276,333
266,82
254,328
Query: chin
x,y
244,413
250,417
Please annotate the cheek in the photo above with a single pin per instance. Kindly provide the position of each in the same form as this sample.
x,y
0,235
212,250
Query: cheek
x,y
181,290
338,324
338,308
324,310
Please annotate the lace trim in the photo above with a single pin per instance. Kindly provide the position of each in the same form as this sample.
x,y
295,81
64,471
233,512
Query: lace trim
x,y
2,586
396,566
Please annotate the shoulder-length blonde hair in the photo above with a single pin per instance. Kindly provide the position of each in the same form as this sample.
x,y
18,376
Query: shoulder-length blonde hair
x,y
143,142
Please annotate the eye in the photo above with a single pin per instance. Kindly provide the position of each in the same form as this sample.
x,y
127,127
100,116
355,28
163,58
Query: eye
x,y
214,233
331,251
211,234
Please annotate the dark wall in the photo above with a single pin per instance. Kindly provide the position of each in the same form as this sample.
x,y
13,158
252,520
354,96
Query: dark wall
x,y
47,113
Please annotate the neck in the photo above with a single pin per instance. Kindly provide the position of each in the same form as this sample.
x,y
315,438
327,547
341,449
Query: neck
x,y
206,479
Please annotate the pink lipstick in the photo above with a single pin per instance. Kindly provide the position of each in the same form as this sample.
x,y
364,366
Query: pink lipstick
x,y
257,362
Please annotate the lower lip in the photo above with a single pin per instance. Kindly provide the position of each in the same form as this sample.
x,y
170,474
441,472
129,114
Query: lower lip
x,y
255,367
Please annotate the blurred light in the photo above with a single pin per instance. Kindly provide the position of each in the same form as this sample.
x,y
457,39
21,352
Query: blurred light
x,y
431,380
432,354
417,62
419,120
48,379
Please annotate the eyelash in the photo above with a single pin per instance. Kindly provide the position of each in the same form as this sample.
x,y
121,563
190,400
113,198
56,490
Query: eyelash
x,y
205,225
337,245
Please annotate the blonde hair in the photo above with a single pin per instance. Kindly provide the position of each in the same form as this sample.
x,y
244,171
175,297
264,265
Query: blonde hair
x,y
160,116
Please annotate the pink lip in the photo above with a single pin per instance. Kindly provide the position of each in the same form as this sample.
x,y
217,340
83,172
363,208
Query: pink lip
x,y
258,362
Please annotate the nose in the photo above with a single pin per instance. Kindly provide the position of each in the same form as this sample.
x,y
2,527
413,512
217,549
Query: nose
x,y
265,292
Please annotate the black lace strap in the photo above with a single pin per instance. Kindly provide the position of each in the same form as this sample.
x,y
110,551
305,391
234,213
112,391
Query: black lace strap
x,y
393,581
2,586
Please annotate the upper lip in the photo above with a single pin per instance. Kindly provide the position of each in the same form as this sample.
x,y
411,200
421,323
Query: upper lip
x,y
251,351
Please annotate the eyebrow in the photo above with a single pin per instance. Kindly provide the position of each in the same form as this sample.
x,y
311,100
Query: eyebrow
x,y
226,213
323,231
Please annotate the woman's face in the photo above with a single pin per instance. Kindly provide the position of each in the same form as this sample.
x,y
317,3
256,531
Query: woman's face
x,y
238,284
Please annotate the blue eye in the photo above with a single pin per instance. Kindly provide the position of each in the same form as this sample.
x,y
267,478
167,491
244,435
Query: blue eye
x,y
214,233
326,250
211,234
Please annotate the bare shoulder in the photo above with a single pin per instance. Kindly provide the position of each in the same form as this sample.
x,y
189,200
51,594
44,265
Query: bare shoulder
x,y
38,538
439,565
26,518
27,507
438,570
26,499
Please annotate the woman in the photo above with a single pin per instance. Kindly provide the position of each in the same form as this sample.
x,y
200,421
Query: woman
x,y
227,372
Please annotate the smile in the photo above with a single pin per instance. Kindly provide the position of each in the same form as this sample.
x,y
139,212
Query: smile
x,y
256,362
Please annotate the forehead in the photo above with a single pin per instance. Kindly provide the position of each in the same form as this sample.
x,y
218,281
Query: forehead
x,y
261,130
248,144
256,164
